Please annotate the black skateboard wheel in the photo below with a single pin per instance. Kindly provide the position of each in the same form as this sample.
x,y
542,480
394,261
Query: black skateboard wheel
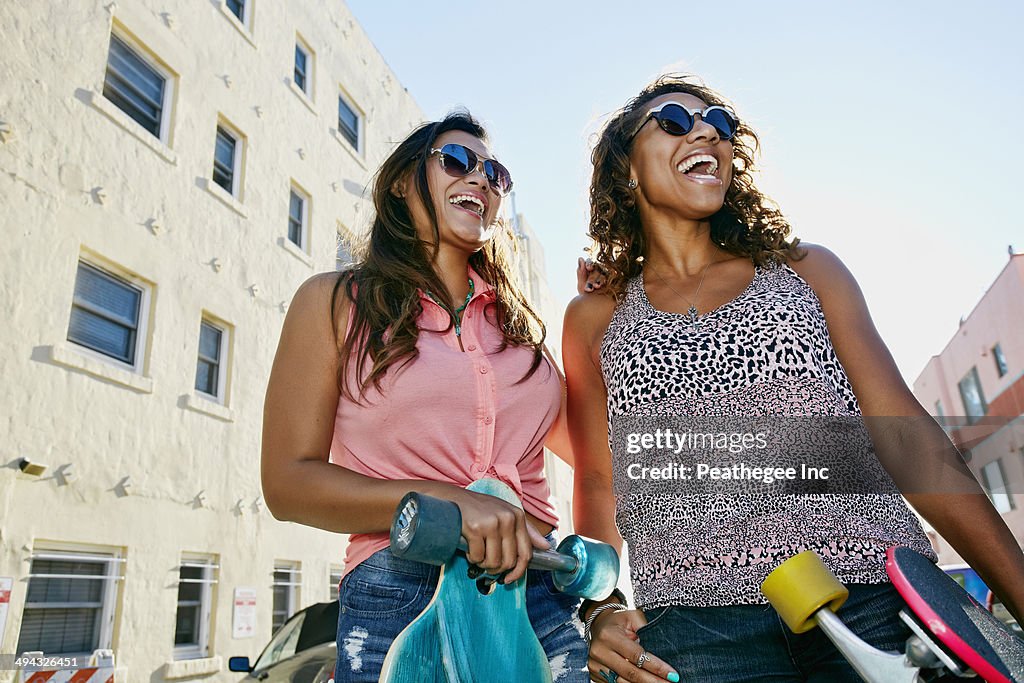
x,y
426,529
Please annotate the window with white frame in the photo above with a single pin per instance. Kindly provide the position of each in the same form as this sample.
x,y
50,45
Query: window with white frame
x,y
349,122
995,485
197,580
211,368
227,155
302,75
106,313
70,602
287,581
334,579
972,396
137,86
298,217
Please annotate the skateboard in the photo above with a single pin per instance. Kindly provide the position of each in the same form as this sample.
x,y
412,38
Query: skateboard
x,y
476,628
952,634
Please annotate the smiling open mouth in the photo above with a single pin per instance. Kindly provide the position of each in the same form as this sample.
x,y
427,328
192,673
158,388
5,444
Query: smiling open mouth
x,y
699,166
468,203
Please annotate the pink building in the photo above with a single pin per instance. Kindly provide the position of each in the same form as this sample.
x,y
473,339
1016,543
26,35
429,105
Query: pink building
x,y
975,387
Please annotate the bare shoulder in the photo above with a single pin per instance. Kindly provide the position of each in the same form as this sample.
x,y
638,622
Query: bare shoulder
x,y
311,305
816,262
823,271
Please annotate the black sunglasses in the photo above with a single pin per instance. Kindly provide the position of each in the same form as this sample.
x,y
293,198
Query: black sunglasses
x,y
676,119
459,161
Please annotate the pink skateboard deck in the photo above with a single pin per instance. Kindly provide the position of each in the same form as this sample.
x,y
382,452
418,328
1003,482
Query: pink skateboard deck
x,y
956,619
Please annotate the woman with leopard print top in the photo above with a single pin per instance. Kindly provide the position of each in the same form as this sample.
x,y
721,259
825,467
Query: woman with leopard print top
x,y
717,325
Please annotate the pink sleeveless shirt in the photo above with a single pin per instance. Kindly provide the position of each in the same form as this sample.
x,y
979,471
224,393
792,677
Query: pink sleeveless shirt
x,y
453,416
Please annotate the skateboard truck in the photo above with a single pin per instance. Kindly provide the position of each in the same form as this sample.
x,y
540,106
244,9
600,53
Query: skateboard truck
x,y
874,665
806,594
429,530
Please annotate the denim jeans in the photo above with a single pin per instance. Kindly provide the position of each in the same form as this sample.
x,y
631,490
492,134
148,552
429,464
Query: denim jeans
x,y
384,593
750,642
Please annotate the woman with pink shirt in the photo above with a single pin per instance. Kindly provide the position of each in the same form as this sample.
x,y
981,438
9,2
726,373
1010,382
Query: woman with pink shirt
x,y
421,369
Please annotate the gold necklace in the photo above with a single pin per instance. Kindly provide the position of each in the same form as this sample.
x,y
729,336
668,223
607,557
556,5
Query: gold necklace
x,y
691,313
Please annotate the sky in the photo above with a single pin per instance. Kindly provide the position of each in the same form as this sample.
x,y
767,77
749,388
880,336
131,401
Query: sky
x,y
888,130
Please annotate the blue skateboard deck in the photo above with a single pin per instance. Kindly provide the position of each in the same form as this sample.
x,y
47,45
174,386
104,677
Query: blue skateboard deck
x,y
465,635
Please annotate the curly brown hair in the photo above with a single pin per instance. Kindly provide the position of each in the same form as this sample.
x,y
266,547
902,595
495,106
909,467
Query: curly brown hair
x,y
748,224
395,266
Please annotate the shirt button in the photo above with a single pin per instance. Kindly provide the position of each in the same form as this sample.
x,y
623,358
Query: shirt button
x,y
488,420
483,371
472,347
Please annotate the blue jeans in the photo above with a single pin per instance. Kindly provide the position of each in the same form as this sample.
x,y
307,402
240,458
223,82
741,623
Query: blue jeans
x,y
750,642
384,593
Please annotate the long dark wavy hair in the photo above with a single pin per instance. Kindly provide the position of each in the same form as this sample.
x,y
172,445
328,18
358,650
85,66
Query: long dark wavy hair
x,y
748,224
383,287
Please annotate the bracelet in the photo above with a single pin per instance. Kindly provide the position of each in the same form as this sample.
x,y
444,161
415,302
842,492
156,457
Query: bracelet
x,y
617,606
581,613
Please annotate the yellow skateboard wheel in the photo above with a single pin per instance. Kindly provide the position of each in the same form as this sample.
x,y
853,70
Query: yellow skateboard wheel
x,y
799,587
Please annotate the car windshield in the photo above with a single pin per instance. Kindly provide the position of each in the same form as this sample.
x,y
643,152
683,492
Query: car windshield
x,y
283,644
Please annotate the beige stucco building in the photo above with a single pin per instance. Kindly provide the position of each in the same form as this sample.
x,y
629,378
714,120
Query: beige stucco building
x,y
975,388
170,172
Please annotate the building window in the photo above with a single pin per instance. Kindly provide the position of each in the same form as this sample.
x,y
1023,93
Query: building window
x,y
237,8
197,577
335,580
225,156
298,217
69,606
135,86
973,398
209,367
303,61
995,486
348,122
287,580
105,314
939,412
1000,359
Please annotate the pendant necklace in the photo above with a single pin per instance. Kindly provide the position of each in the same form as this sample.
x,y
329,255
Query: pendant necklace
x,y
456,315
692,315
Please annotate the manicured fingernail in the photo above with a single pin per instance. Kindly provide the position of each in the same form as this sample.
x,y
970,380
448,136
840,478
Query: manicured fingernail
x,y
673,677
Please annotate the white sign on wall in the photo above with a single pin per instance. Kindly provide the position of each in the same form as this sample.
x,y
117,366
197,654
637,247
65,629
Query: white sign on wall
x,y
243,616
6,582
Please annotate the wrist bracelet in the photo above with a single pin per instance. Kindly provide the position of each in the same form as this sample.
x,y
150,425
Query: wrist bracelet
x,y
581,613
617,606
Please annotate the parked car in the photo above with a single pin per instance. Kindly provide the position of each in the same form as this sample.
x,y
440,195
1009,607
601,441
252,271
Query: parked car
x,y
302,651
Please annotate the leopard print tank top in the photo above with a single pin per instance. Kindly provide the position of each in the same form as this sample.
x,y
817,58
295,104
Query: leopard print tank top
x,y
766,353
